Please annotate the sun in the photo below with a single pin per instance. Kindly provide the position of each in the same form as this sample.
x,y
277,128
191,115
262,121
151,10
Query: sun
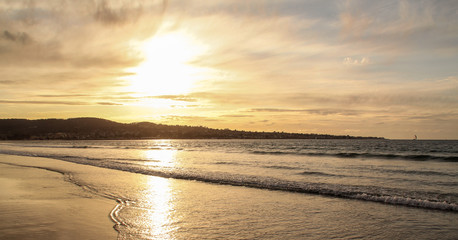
x,y
167,68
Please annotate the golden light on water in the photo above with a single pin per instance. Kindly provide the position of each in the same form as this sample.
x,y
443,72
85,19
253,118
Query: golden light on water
x,y
158,219
161,158
167,67
159,197
162,154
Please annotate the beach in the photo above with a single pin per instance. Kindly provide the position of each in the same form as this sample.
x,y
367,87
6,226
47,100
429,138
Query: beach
x,y
40,204
227,189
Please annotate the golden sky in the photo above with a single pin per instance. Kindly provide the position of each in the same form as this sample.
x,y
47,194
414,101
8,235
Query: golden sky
x,y
364,68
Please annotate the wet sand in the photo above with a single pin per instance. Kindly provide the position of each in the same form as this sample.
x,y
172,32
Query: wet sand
x,y
40,204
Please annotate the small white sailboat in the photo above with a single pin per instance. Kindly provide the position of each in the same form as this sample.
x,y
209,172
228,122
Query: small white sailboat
x,y
415,138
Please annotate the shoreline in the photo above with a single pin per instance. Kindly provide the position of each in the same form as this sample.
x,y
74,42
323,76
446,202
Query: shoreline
x,y
37,203
151,207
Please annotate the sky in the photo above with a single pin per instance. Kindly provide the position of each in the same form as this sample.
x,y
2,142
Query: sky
x,y
361,68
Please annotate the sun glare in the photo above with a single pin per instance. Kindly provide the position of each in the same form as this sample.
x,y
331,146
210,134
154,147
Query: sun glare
x,y
167,67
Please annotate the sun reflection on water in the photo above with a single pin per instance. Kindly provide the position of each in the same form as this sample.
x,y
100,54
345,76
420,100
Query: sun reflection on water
x,y
161,158
158,197
165,156
160,206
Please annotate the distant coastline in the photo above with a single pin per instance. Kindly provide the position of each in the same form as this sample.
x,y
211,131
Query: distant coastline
x,y
97,128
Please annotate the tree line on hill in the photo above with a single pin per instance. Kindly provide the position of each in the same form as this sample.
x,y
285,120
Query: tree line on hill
x,y
96,128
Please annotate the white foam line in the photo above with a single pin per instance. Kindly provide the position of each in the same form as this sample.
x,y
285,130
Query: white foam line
x,y
114,214
271,184
409,202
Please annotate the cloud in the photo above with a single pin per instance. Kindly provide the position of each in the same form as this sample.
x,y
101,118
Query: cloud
x,y
182,98
45,102
7,82
434,117
399,26
72,103
414,100
109,104
275,110
305,64
236,116
20,38
70,33
194,120
323,112
356,62
62,95
108,15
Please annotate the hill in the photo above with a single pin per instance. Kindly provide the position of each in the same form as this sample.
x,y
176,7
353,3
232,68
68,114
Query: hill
x,y
96,128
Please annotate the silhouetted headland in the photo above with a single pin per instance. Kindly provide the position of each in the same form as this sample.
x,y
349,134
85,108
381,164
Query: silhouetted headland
x,y
96,128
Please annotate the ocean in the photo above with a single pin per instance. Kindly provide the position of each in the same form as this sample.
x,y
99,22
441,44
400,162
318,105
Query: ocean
x,y
264,189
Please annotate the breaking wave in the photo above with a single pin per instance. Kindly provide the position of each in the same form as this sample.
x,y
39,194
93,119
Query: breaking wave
x,y
413,157
366,193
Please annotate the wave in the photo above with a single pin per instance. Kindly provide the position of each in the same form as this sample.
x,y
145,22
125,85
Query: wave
x,y
416,172
352,192
72,146
262,166
445,155
316,173
321,174
414,181
367,193
414,157
230,163
281,167
407,201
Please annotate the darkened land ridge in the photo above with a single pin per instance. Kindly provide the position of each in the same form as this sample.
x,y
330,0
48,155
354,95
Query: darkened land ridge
x,y
96,128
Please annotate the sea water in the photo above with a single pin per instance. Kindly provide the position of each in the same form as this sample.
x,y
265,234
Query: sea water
x,y
267,189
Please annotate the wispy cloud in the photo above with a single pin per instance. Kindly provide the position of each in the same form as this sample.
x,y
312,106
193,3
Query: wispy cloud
x,y
109,104
236,116
345,112
333,66
19,38
44,102
181,98
62,95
